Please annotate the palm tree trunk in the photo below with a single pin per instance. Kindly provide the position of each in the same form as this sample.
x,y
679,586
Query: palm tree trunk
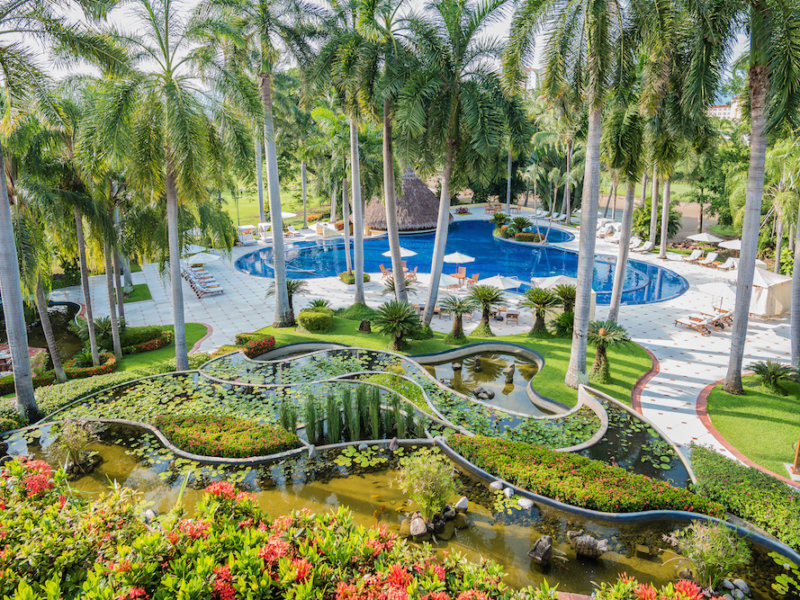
x,y
567,191
304,185
576,371
700,223
440,241
126,275
120,294
181,352
47,329
508,182
654,207
664,220
644,189
610,195
112,308
334,195
13,311
389,201
87,295
346,216
283,314
527,192
622,257
778,244
795,331
260,180
752,217
358,213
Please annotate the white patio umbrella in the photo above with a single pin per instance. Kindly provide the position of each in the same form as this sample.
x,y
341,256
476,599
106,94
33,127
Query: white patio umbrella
x,y
447,280
708,238
501,281
193,249
548,283
458,258
287,215
731,244
404,252
202,258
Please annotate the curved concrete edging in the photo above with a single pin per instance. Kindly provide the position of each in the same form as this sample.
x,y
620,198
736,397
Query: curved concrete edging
x,y
633,517
198,343
638,387
701,408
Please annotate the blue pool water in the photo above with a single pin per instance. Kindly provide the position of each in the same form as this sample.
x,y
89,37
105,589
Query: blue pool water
x,y
644,282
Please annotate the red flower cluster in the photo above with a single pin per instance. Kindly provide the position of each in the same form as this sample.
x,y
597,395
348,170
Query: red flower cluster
x,y
273,550
223,584
257,347
164,339
222,489
135,593
194,529
302,569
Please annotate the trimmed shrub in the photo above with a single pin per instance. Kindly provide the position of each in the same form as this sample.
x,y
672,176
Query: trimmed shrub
x,y
315,321
577,480
108,364
319,309
243,338
357,312
229,437
164,339
349,277
132,336
529,236
42,379
257,347
749,493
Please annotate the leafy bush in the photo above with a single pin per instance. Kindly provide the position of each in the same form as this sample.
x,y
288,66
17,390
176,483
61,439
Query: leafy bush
x,y
398,320
428,479
164,338
529,236
137,335
259,346
564,323
349,277
320,303
243,338
39,380
641,221
627,588
357,312
74,369
500,219
577,480
773,373
325,310
748,493
314,321
225,436
229,548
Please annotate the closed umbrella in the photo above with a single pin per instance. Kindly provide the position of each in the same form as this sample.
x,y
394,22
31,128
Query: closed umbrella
x,y
404,252
708,238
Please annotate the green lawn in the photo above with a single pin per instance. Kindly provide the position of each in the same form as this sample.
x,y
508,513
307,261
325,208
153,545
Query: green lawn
x,y
194,331
725,230
140,292
761,425
627,364
291,201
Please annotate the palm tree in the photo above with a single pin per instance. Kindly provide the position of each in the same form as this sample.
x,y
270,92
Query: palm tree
x,y
397,319
566,293
458,307
585,52
262,30
163,132
294,287
489,298
540,301
774,98
605,334
449,103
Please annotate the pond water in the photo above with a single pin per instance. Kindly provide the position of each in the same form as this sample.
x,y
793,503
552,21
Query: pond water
x,y
498,533
644,282
61,315
487,373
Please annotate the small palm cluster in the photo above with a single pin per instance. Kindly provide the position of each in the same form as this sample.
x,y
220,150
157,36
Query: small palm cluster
x,y
605,334
543,301
399,320
773,374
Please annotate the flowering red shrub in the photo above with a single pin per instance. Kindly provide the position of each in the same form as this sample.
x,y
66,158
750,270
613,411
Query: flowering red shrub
x,y
257,347
165,339
108,364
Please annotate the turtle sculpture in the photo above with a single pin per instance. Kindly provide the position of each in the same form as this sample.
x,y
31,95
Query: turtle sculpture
x,y
586,545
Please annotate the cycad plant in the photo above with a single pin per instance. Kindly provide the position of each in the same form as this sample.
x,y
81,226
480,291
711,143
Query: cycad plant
x,y
521,223
398,320
773,374
458,307
294,287
605,334
540,301
489,298
390,288
566,293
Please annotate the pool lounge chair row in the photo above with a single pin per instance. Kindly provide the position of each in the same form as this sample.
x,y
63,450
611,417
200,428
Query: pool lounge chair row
x,y
704,323
711,260
202,282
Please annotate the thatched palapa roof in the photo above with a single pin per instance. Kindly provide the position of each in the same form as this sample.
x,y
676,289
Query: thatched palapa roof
x,y
417,209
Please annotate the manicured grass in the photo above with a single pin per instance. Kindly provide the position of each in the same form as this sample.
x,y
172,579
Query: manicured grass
x,y
760,424
291,201
627,363
194,331
140,292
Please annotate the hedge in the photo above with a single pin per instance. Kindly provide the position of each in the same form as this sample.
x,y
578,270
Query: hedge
x,y
349,277
164,339
225,436
243,338
526,236
108,364
57,544
132,336
257,347
577,480
749,493
315,321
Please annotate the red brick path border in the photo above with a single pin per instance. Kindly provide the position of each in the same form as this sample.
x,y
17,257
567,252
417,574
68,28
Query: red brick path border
x,y
636,393
702,413
209,331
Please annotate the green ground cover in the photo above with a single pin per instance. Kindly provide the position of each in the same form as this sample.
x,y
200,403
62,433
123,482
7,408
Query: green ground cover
x,y
747,421
140,292
627,363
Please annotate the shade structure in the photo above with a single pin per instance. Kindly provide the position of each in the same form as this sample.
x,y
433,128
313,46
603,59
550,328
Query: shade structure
x,y
720,289
731,244
417,208
772,293
193,249
502,282
404,252
458,258
201,258
706,237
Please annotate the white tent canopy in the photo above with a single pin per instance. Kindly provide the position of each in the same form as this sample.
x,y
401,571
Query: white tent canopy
x,y
772,293
193,249
548,283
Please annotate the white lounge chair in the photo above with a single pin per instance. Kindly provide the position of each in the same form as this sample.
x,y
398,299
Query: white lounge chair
x,y
646,247
729,264
695,255
635,243
708,260
700,323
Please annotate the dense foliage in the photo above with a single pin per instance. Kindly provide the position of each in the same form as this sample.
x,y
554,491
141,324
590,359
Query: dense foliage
x,y
748,493
315,321
229,549
577,480
225,436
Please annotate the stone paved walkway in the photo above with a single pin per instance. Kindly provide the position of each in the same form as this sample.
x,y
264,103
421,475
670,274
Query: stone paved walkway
x,y
688,361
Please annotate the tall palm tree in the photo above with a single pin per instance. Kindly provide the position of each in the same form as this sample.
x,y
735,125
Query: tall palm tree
x,y
449,104
585,52
774,98
159,124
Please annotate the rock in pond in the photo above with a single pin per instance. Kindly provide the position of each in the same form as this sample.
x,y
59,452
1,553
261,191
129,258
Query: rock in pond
x,y
496,486
449,513
525,503
394,445
542,551
456,366
149,515
508,493
447,532
740,584
462,505
417,526
362,447
586,545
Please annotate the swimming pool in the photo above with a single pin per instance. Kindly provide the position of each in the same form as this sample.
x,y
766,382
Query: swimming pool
x,y
644,283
